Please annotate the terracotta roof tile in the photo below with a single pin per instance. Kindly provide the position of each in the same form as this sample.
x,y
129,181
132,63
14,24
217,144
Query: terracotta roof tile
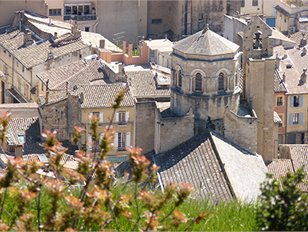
x,y
280,167
195,162
96,96
36,53
143,85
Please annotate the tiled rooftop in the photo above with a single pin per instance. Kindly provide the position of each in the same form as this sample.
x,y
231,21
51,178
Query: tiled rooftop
x,y
68,161
206,43
26,132
76,73
298,158
96,96
278,84
293,62
195,162
279,167
143,85
36,53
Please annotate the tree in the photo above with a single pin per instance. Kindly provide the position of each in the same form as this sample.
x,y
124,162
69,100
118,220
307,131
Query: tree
x,y
282,206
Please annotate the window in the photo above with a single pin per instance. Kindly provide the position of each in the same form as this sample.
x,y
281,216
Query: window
x,y
221,82
5,69
279,101
295,119
87,29
180,78
198,82
242,3
157,21
122,117
54,12
23,68
121,141
296,101
86,9
68,10
255,3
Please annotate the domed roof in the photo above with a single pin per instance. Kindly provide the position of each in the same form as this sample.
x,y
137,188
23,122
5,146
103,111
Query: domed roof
x,y
206,43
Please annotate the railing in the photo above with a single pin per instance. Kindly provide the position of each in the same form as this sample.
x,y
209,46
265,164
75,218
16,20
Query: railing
x,y
80,17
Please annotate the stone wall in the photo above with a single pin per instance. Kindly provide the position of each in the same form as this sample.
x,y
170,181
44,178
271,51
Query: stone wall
x,y
172,131
61,116
241,130
145,125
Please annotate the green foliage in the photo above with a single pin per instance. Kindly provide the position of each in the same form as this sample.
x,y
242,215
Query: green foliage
x,y
31,201
282,206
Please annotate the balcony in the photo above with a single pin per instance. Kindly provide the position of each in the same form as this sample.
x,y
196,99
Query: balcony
x,y
88,17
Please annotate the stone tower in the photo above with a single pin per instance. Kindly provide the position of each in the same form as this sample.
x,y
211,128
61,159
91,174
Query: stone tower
x,y
204,77
258,69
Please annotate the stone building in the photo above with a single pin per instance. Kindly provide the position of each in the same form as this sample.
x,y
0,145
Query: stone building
x,y
181,18
205,76
25,53
224,89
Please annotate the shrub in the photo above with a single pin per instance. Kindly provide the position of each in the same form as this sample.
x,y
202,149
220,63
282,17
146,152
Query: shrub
x,y
282,206
29,201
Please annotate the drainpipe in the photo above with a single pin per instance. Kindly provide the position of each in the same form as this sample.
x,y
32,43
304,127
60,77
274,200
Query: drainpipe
x,y
286,119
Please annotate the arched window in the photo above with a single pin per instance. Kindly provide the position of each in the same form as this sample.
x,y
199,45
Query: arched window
x,y
180,78
221,82
174,76
198,82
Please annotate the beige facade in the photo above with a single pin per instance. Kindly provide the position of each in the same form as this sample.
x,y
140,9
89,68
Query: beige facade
x,y
291,18
116,20
259,67
24,54
181,18
123,126
8,9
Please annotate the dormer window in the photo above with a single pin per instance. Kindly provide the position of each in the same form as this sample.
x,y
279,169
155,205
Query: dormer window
x,y
198,82
221,82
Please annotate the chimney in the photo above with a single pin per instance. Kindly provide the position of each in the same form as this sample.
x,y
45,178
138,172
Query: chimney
x,y
28,37
47,91
55,35
130,50
303,78
303,41
166,37
102,43
19,151
284,77
66,88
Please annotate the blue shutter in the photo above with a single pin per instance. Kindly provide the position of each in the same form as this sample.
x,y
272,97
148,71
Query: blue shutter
x,y
291,119
301,118
301,101
292,101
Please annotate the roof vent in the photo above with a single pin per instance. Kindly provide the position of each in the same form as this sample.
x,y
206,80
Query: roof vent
x,y
288,66
28,37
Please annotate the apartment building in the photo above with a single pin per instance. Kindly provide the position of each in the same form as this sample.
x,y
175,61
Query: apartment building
x,y
293,71
98,101
181,18
83,12
292,17
23,54
116,20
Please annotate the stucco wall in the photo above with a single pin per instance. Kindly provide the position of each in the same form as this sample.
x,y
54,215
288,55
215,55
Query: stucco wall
x,y
173,131
241,130
145,125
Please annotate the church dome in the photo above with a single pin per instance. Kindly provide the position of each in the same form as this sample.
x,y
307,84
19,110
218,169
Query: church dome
x,y
205,44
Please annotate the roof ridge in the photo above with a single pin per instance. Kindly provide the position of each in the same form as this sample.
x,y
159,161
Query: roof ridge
x,y
86,66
